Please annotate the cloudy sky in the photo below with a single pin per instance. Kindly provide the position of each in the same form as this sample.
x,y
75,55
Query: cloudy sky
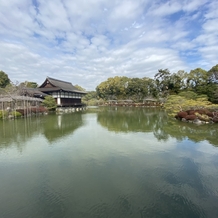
x,y
87,41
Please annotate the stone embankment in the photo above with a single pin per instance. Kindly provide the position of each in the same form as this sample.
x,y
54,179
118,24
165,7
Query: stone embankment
x,y
198,116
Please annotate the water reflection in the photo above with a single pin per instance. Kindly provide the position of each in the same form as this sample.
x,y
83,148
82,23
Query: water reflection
x,y
155,120
127,119
17,132
53,127
61,125
87,166
196,133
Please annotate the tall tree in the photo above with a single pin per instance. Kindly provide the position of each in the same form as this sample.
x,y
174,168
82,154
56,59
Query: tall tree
x,y
162,79
137,89
213,84
197,80
177,82
213,74
113,88
4,80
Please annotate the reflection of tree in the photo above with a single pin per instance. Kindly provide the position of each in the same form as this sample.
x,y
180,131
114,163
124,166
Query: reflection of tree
x,y
155,120
56,127
125,119
18,132
196,133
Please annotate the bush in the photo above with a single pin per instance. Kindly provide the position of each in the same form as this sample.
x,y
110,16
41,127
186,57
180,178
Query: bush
x,y
16,114
177,103
49,102
3,114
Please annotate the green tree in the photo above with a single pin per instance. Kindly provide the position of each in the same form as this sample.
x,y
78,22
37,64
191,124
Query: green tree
x,y
197,80
28,84
213,74
151,86
31,84
188,95
177,82
90,98
79,88
162,79
126,88
113,88
137,89
4,80
49,102
212,86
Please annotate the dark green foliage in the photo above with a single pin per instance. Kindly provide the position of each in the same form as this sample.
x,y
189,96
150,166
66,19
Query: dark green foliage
x,y
90,98
196,82
4,80
162,79
126,88
188,95
49,102
213,74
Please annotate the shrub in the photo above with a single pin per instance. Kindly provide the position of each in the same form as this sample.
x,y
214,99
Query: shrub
x,y
177,103
3,114
16,114
49,102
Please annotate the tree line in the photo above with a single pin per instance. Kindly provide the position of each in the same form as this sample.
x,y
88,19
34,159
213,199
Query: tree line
x,y
164,83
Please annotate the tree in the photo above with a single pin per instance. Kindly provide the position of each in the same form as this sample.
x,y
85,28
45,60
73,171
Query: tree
x,y
79,88
137,89
90,98
28,84
49,102
162,79
177,82
197,80
113,88
31,84
188,95
4,80
213,74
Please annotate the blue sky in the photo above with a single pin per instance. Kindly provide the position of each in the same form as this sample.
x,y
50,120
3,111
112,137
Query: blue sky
x,y
86,42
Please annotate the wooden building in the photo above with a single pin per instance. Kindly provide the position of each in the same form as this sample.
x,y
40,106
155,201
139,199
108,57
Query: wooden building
x,y
65,94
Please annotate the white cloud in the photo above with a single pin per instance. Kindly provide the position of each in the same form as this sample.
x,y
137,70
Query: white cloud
x,y
86,42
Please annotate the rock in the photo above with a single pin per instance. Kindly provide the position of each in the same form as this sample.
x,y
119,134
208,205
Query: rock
x,y
191,117
182,114
184,120
190,112
215,119
198,116
197,121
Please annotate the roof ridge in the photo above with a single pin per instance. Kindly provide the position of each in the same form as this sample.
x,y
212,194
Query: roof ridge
x,y
59,80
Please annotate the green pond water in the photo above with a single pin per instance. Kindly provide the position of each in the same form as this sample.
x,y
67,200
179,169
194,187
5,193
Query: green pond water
x,y
108,162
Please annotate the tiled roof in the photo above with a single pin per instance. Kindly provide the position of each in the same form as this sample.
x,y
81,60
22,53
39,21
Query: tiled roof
x,y
59,85
33,92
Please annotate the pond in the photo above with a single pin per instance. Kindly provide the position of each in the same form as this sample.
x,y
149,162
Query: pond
x,y
108,162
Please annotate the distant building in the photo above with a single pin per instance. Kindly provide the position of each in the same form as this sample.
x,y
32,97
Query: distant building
x,y
65,94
